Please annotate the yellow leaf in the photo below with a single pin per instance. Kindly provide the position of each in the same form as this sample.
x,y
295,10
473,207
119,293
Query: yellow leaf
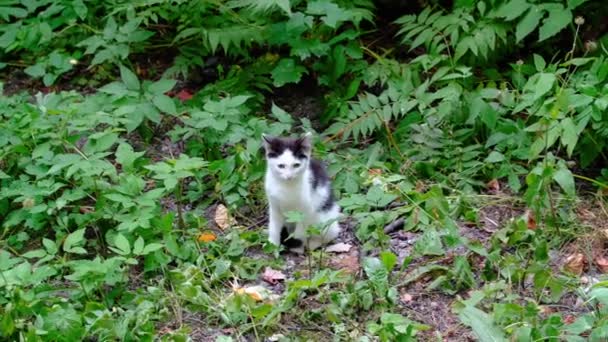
x,y
206,237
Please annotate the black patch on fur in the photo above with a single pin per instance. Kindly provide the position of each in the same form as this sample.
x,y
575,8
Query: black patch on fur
x,y
329,202
318,174
288,241
300,147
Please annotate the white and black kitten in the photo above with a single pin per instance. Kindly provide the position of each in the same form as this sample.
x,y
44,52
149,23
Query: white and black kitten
x,y
296,182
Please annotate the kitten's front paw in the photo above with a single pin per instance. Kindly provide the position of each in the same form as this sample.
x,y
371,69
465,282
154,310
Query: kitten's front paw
x,y
274,237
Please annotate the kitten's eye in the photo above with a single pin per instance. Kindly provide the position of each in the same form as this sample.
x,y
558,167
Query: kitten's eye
x,y
296,165
281,166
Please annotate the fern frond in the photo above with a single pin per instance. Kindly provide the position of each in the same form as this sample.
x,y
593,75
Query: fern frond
x,y
372,112
262,6
235,36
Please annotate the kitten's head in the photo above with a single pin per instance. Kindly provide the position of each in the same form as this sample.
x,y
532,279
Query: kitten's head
x,y
287,158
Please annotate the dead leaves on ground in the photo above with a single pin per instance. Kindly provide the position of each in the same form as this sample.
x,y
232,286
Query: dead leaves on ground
x,y
222,218
339,247
272,276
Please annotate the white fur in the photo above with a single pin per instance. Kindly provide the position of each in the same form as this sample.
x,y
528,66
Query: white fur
x,y
290,189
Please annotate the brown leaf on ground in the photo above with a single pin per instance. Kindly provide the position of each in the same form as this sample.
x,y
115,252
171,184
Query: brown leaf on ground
x,y
184,95
575,263
493,186
406,297
530,219
375,172
349,263
569,319
602,264
222,218
272,276
340,247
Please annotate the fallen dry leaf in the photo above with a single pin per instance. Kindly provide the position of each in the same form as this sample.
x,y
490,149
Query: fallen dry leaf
x,y
184,95
346,262
602,264
272,276
222,218
530,219
575,263
375,172
569,319
406,297
605,233
257,292
493,185
206,237
340,247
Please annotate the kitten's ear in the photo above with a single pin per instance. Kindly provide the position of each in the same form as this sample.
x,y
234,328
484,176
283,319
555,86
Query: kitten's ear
x,y
267,140
306,141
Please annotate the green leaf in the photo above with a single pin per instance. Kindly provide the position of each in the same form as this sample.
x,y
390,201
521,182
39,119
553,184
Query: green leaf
x,y
572,4
36,70
122,244
539,63
129,78
389,260
151,248
495,157
569,135
165,104
564,178
72,240
138,246
554,23
125,155
543,85
80,8
528,23
511,9
332,13
281,115
286,71
162,86
482,324
49,245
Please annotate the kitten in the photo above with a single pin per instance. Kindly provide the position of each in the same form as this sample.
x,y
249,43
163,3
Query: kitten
x,y
296,182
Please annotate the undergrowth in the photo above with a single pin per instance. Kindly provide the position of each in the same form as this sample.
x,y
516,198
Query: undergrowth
x,y
136,212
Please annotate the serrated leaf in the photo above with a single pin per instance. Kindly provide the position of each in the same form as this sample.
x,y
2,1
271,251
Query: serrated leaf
x,y
49,245
543,85
281,115
332,13
73,239
129,78
511,9
528,23
36,70
554,23
495,157
125,155
165,104
286,71
569,135
151,248
482,324
162,86
565,179
138,246
122,244
37,253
